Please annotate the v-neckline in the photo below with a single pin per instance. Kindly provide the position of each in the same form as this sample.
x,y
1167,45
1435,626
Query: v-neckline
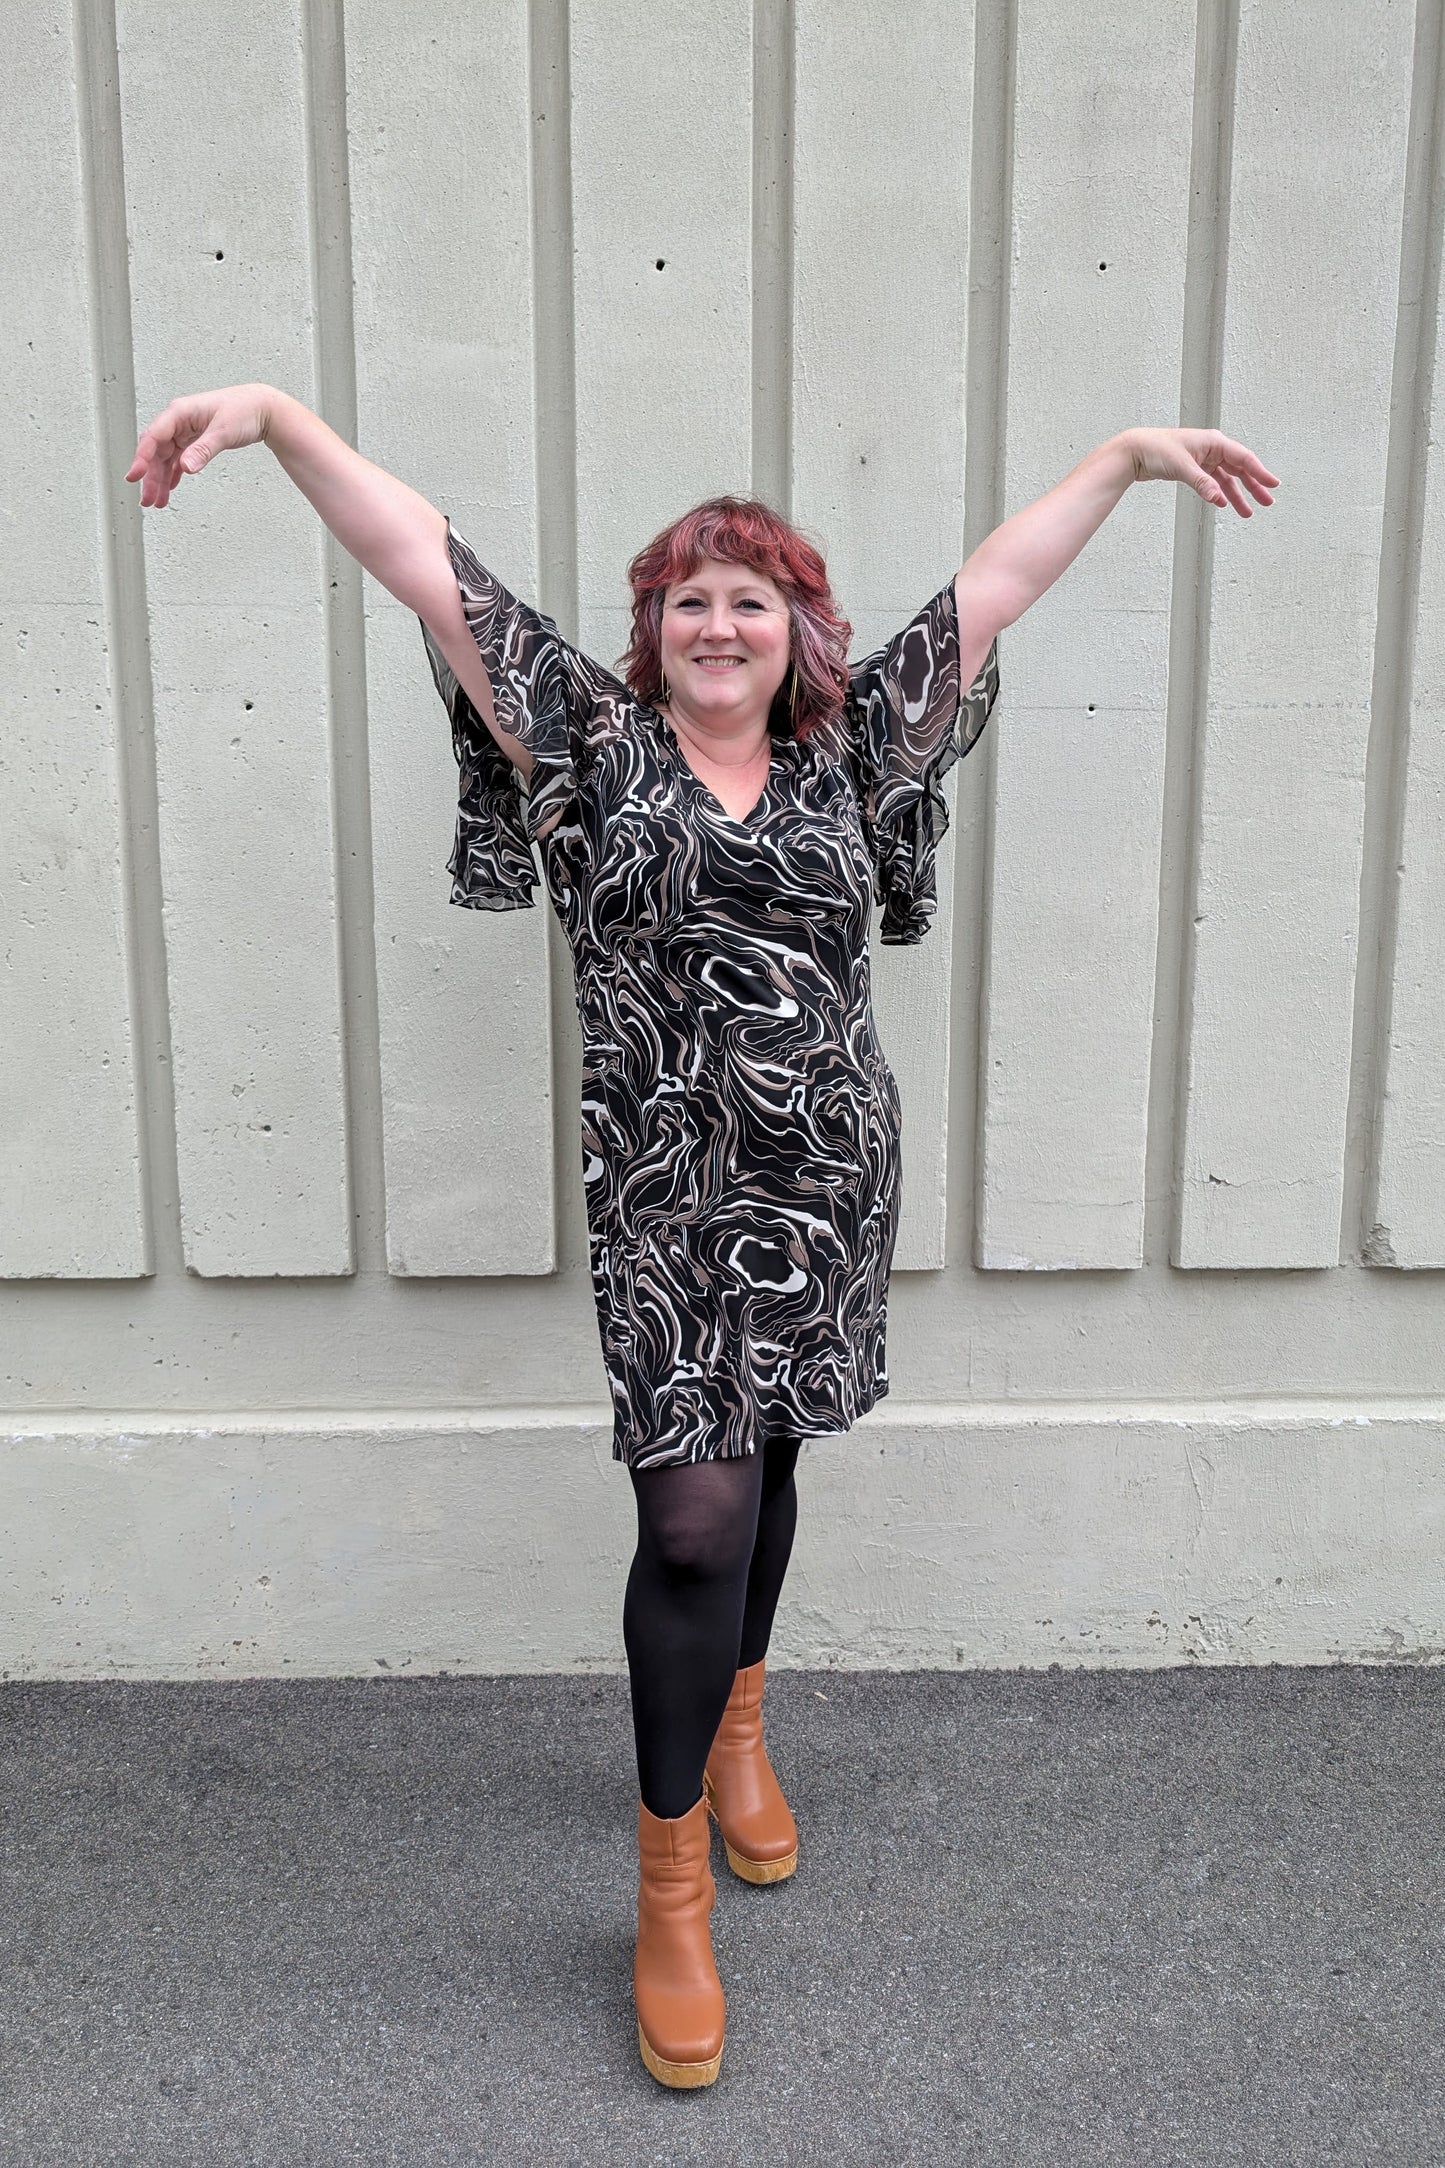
x,y
747,819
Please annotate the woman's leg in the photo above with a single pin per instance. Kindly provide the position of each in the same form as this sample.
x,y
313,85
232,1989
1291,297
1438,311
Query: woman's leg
x,y
682,1616
772,1547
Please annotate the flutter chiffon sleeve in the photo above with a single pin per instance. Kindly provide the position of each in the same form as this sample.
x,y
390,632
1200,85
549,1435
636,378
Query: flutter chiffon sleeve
x,y
544,691
907,720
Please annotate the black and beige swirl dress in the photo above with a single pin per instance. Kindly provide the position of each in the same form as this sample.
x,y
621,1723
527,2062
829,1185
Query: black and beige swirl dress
x,y
740,1125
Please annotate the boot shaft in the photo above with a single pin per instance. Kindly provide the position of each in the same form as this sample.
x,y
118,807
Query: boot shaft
x,y
675,1880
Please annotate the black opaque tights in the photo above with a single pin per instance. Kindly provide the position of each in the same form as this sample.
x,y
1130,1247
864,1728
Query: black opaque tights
x,y
713,1542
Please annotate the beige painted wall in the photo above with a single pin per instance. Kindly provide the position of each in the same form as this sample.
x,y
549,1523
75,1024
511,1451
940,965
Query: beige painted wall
x,y
300,1367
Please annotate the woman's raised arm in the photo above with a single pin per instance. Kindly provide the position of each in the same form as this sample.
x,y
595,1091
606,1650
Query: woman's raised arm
x,y
390,529
1023,556
395,533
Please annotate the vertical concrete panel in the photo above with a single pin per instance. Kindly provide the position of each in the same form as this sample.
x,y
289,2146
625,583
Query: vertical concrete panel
x,y
217,197
1321,118
437,115
662,177
1097,276
69,1143
881,193
1410,1198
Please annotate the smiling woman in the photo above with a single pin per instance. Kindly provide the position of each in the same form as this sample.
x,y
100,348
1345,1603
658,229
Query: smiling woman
x,y
712,828
715,825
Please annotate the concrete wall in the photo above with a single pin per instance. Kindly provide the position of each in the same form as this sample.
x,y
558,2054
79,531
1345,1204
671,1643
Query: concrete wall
x,y
300,1366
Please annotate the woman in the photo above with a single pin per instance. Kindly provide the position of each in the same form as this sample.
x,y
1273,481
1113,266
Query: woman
x,y
714,824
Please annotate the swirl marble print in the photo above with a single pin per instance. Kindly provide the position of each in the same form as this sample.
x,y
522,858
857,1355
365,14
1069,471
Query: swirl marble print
x,y
740,1125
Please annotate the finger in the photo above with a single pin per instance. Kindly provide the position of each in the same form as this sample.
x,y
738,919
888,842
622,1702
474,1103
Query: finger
x,y
1204,483
148,449
171,430
165,481
1247,472
1246,462
155,445
161,435
1230,485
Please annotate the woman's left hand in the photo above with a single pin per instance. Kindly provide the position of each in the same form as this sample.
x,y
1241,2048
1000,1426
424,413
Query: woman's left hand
x,y
1209,462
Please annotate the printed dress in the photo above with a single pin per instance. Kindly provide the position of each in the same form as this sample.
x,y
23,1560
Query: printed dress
x,y
740,1125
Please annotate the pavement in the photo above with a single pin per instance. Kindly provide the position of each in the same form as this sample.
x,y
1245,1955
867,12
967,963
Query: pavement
x,y
1174,1918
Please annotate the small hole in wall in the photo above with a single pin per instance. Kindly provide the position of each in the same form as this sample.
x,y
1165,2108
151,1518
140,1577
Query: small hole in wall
x,y
220,255
1091,706
249,705
1103,267
662,263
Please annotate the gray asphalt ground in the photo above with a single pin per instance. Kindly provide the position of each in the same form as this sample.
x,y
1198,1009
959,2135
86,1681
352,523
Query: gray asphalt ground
x,y
1171,1918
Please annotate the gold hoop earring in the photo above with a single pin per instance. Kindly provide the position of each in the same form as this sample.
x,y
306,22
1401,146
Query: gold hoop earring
x,y
793,695
666,691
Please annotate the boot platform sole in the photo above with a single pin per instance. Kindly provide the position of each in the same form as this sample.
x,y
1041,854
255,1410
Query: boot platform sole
x,y
758,1871
677,2075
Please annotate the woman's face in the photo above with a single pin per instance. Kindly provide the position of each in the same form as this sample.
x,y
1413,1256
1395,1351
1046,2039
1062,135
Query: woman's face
x,y
725,641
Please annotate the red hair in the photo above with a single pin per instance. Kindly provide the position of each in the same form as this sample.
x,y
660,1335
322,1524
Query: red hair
x,y
745,531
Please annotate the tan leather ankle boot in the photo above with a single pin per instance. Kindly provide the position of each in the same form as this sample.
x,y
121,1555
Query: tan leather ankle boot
x,y
741,1790
679,1997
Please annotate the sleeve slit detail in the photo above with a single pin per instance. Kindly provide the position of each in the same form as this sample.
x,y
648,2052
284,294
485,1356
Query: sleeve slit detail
x,y
910,722
540,693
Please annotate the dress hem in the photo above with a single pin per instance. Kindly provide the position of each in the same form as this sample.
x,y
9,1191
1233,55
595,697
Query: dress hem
x,y
688,1460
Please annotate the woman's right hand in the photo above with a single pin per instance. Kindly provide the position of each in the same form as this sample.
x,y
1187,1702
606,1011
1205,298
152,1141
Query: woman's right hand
x,y
186,434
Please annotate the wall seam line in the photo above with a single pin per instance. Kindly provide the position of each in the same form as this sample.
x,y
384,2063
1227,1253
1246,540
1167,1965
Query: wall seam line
x,y
1360,1412
995,91
344,618
554,409
774,92
101,156
1200,392
1362,1240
